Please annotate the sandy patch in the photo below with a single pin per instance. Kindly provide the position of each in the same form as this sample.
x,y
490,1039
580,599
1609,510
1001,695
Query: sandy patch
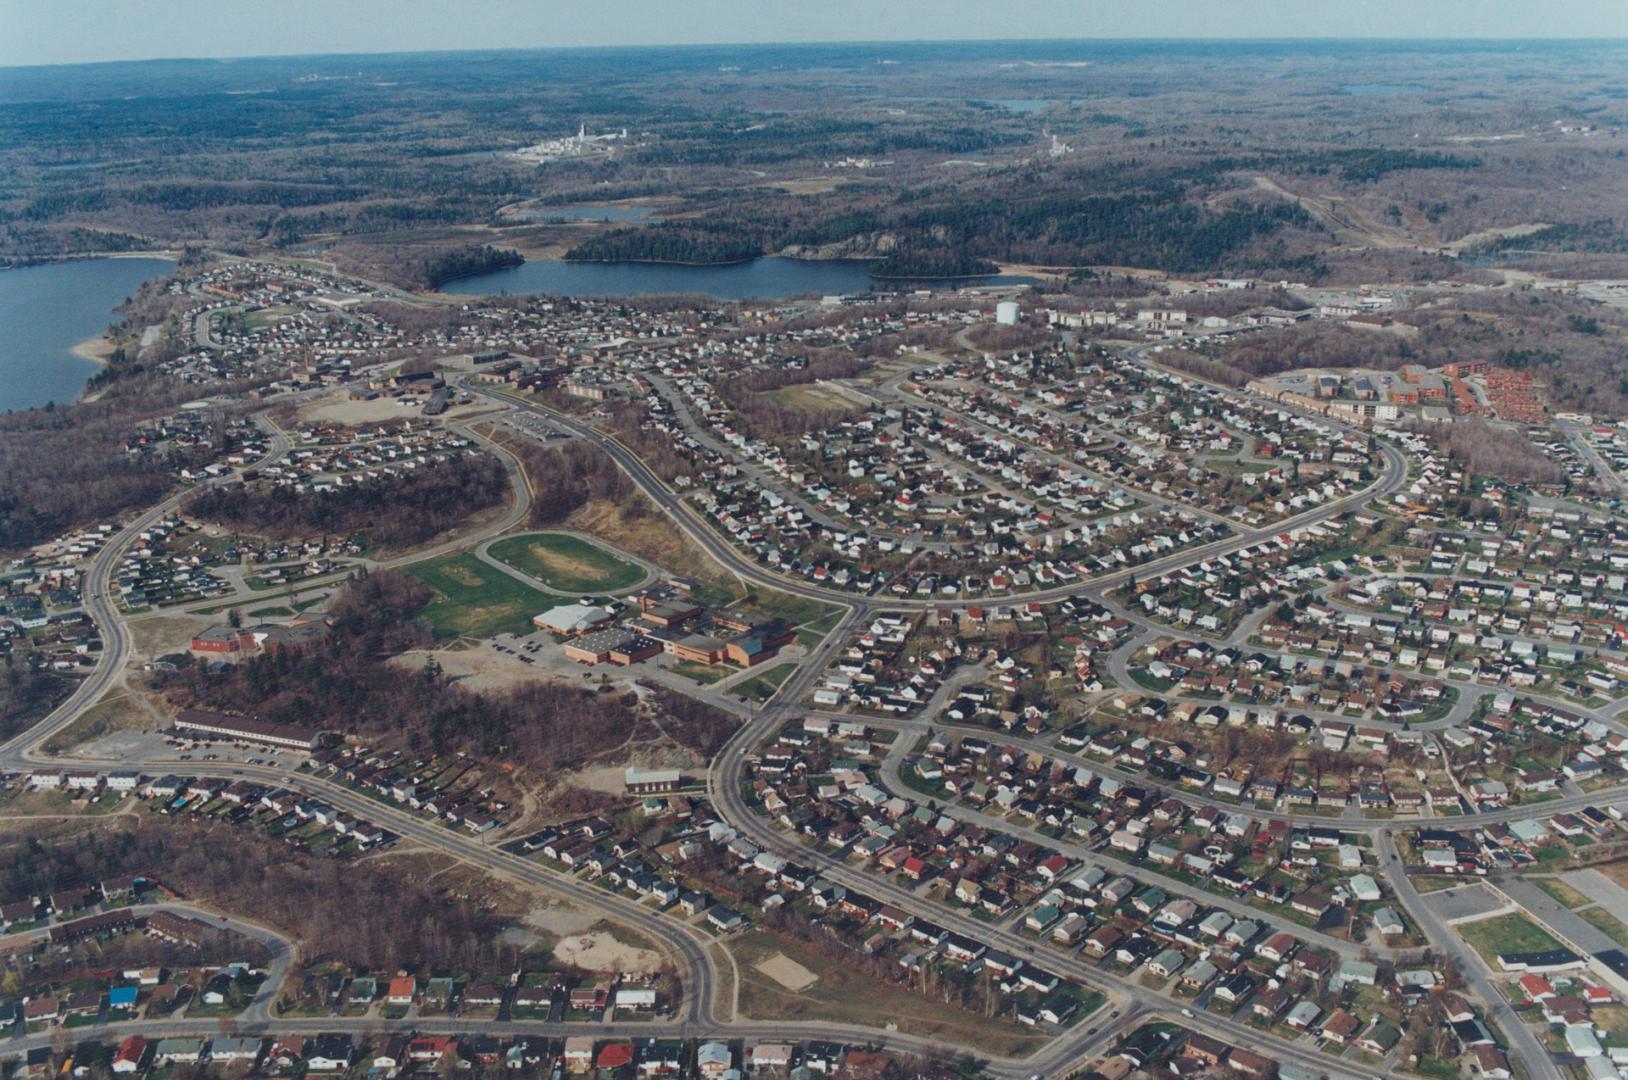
x,y
481,667
97,349
519,937
1502,232
818,396
787,972
599,951
606,779
557,564
1036,269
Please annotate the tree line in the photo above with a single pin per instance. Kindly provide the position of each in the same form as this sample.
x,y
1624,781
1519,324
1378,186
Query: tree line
x,y
350,684
669,242
26,695
568,477
1162,222
748,395
375,916
61,467
917,261
398,512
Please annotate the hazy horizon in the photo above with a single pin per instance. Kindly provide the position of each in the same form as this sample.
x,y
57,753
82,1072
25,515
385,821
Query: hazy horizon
x,y
856,43
47,33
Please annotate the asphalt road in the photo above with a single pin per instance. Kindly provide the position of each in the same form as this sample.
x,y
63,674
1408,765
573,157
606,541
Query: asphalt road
x,y
1522,1043
281,950
1392,477
690,945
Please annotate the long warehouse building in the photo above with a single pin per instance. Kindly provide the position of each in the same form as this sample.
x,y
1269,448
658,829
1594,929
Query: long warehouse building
x,y
225,726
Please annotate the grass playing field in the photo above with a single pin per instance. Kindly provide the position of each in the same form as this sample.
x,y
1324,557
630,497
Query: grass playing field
x,y
476,600
567,563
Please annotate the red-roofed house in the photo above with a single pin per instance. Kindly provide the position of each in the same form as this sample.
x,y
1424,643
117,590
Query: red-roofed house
x,y
615,1055
430,1048
1536,987
130,1054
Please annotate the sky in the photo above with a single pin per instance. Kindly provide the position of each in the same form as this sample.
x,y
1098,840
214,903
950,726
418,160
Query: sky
x,y
79,31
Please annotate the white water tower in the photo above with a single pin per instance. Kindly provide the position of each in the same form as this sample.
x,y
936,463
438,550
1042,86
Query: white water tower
x,y
1006,313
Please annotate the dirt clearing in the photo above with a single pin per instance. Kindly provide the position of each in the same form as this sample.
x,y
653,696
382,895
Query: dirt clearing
x,y
598,950
560,919
787,972
150,638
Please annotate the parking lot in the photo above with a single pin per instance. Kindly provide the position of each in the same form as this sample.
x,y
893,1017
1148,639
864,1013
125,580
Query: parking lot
x,y
157,745
1466,902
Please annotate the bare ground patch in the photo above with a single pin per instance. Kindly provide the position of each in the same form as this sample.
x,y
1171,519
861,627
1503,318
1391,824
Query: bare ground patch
x,y
150,638
787,972
598,950
118,710
560,920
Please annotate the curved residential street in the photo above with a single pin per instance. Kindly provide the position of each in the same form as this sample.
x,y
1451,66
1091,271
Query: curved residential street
x,y
691,949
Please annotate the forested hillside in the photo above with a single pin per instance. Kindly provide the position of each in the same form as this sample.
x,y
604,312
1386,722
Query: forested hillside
x,y
395,512
348,686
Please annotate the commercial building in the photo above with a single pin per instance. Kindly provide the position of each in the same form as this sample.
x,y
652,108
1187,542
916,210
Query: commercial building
x,y
220,639
196,722
571,619
596,647
650,781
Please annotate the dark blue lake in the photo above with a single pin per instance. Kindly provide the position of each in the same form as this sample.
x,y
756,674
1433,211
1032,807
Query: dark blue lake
x,y
46,310
770,278
773,277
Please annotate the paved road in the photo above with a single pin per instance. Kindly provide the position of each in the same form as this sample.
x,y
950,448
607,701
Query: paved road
x,y
109,621
725,790
1091,856
281,951
1579,437
517,512
1523,1045
724,779
1578,932
688,944
1392,476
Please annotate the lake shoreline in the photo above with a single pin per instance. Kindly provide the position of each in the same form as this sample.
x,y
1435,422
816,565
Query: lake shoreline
x,y
670,262
767,277
98,349
63,343
907,278
23,262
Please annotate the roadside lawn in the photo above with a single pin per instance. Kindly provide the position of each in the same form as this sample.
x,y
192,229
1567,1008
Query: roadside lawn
x,y
796,610
761,687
